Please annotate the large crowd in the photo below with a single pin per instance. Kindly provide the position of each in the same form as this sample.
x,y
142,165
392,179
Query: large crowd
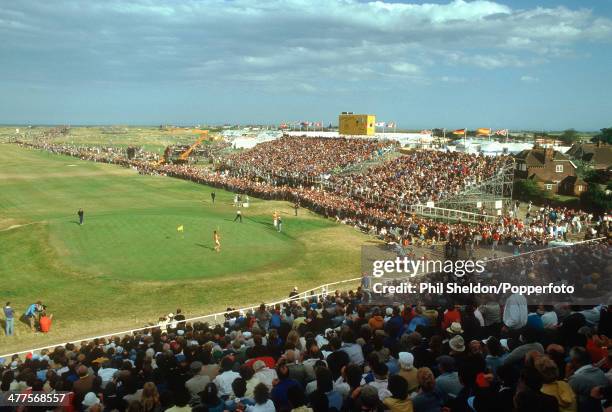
x,y
375,215
304,157
420,177
336,353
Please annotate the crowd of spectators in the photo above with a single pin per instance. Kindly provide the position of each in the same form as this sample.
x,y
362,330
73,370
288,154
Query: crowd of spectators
x,y
303,157
335,353
586,267
387,220
419,177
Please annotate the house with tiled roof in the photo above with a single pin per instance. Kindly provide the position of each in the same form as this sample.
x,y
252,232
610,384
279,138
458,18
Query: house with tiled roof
x,y
598,155
551,170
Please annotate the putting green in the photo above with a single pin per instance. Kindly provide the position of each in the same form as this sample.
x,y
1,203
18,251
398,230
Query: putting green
x,y
128,264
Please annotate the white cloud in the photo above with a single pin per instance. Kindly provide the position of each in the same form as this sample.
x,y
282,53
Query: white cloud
x,y
405,67
529,79
294,42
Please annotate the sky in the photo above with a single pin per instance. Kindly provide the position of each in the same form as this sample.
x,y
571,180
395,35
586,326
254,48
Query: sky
x,y
520,64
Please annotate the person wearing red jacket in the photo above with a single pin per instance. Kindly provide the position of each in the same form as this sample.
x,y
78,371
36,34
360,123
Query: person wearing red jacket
x,y
45,322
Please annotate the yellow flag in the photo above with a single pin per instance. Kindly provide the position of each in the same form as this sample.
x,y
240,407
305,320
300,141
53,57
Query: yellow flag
x,y
179,228
483,131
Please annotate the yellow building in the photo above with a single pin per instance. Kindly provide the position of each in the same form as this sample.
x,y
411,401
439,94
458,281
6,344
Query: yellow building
x,y
357,124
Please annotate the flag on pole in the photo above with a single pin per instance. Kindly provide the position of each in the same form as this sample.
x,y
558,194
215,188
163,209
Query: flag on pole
x,y
391,125
502,132
483,131
180,228
380,124
459,132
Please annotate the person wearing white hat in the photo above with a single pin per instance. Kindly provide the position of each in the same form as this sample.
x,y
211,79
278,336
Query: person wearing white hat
x,y
408,371
455,329
89,400
457,344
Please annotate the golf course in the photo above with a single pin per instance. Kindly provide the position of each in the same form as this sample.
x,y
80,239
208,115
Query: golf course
x,y
127,265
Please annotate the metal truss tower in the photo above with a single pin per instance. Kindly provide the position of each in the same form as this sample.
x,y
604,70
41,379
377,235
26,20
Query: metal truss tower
x,y
487,194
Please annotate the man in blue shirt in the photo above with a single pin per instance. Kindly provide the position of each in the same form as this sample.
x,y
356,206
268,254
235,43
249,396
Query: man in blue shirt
x,y
9,325
31,314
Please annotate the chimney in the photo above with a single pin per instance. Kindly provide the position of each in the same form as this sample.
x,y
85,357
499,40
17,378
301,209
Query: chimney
x,y
549,153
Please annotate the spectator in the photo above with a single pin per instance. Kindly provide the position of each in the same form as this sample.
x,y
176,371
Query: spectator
x,y
181,402
209,398
325,387
429,398
552,386
239,387
448,380
198,381
262,400
279,392
408,371
529,337
264,374
9,321
399,401
224,380
583,377
515,312
150,398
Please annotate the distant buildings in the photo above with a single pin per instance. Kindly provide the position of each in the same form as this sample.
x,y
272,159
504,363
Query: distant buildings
x,y
553,171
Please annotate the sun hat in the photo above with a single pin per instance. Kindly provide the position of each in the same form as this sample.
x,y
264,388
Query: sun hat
x,y
455,328
457,344
90,399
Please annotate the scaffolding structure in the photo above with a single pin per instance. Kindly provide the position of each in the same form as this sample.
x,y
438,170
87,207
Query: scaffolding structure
x,y
489,196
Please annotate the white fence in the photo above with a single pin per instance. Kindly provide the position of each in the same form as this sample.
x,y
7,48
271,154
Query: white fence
x,y
213,318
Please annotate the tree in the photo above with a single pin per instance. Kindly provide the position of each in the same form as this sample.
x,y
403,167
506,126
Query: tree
x,y
605,136
595,199
528,189
569,137
584,169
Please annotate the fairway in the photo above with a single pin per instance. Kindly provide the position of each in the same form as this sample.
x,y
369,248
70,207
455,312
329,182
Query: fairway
x,y
127,264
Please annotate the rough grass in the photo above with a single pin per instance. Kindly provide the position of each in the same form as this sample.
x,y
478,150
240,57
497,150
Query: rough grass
x,y
128,265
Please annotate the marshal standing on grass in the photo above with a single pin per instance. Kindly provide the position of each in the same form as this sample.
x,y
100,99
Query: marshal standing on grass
x,y
81,215
9,319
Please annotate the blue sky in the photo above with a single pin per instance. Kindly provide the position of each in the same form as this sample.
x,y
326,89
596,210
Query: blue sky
x,y
518,64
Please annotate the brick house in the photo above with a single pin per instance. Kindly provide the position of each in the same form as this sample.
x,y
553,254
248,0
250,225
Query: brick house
x,y
553,171
599,155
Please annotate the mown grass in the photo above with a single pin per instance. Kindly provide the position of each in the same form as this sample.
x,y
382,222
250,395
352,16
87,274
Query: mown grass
x,y
128,265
